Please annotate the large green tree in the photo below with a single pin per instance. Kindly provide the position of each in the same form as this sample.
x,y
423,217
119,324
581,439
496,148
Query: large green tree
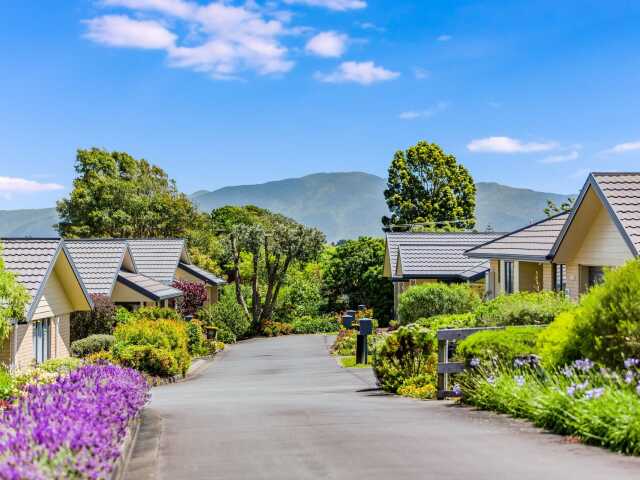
x,y
353,275
270,243
428,186
13,299
115,195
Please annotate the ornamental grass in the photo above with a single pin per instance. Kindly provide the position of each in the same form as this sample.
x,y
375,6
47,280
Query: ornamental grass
x,y
597,405
73,427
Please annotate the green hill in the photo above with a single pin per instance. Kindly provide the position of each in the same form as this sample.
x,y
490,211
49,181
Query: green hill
x,y
342,205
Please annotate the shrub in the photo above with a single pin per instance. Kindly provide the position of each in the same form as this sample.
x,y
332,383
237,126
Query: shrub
x,y
556,343
194,295
7,385
73,427
155,313
100,358
196,338
226,312
430,299
274,329
122,315
455,320
300,296
406,353
324,324
523,308
420,386
504,344
92,344
60,365
608,320
168,339
100,320
345,343
224,334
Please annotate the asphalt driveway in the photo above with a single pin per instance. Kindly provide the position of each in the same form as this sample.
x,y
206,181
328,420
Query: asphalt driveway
x,y
283,409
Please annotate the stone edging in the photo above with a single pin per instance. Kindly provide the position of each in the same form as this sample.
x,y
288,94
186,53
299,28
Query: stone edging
x,y
120,466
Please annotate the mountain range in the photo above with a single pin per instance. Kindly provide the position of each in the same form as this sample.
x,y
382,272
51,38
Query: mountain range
x,y
342,205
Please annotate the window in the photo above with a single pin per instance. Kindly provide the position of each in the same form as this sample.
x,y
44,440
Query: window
x,y
559,277
508,277
596,275
42,340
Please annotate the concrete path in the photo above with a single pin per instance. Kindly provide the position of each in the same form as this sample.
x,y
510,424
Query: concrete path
x,y
282,409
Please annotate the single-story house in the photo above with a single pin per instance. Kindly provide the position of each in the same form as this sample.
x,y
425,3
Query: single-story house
x,y
412,258
167,260
569,252
46,269
520,260
107,267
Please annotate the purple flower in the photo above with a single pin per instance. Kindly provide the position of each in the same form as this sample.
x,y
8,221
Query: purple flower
x,y
571,390
583,365
567,371
594,393
519,380
475,362
628,377
456,389
519,362
631,362
491,380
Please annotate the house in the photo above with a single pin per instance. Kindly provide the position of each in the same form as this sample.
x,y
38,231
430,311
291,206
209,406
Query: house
x,y
167,260
602,231
570,251
412,258
520,260
107,267
46,269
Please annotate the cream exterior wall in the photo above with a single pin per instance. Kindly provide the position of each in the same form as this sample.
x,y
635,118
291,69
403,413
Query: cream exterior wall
x,y
212,290
547,277
530,276
123,294
54,300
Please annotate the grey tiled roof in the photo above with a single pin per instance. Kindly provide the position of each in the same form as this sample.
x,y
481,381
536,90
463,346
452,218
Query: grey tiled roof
x,y
157,258
622,191
98,262
148,286
203,274
424,260
30,259
463,239
533,241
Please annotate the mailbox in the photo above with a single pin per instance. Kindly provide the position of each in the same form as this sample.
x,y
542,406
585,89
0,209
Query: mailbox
x,y
347,321
362,308
351,313
366,326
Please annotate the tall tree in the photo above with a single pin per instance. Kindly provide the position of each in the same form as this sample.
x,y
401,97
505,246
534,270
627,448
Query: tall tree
x,y
272,243
115,195
428,186
353,275
552,209
13,299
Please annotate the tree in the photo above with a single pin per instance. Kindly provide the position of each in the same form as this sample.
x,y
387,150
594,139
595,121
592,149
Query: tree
x,y
272,243
353,275
13,299
552,209
115,195
100,320
426,185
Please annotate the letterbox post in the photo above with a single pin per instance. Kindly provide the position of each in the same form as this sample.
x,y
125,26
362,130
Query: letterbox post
x,y
347,321
366,328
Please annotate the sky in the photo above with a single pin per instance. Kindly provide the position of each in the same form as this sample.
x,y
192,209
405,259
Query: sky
x,y
528,94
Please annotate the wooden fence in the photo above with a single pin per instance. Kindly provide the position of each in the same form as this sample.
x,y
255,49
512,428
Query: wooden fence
x,y
447,339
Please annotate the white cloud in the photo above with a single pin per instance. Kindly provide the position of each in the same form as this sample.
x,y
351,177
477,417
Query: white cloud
x,y
9,185
222,40
508,145
444,38
370,26
427,113
561,158
624,147
339,5
421,73
364,73
327,44
122,31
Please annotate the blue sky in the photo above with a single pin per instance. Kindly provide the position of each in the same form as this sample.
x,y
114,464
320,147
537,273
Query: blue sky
x,y
531,94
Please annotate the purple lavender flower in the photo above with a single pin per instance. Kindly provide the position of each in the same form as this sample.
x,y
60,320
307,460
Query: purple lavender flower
x,y
583,365
475,362
519,380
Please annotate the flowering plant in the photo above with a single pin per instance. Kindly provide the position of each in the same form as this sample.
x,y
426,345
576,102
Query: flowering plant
x,y
73,427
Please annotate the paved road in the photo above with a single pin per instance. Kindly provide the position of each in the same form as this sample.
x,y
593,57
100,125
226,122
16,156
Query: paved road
x,y
282,409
